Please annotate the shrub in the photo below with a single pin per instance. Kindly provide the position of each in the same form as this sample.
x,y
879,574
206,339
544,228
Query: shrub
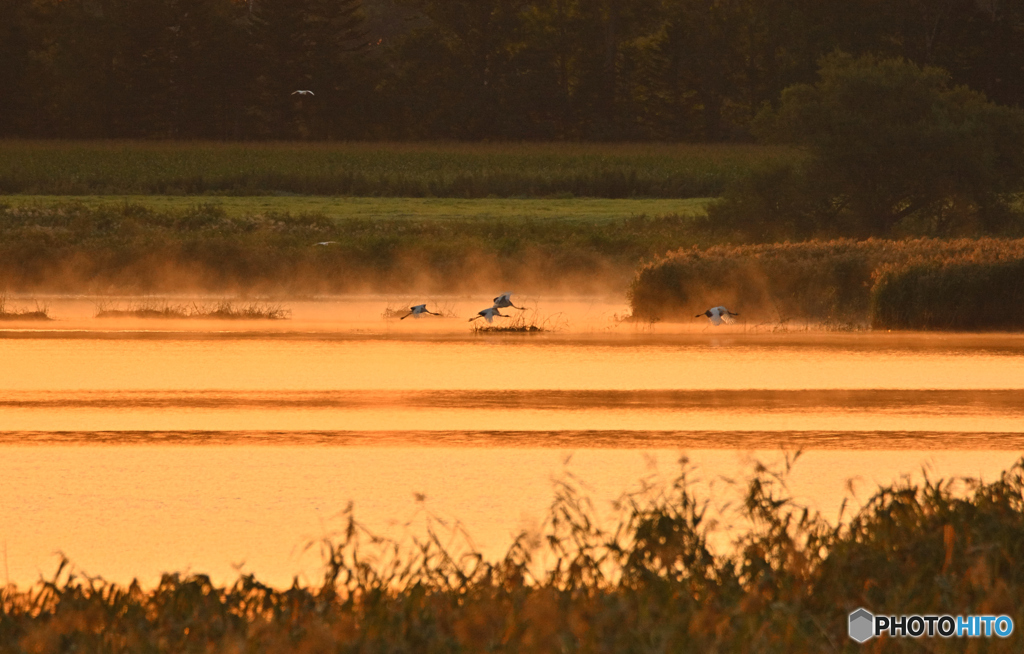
x,y
893,147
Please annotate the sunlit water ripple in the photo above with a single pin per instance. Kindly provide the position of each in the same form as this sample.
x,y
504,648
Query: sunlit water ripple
x,y
136,451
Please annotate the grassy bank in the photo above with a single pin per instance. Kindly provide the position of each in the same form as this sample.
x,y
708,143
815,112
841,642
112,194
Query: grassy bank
x,y
842,282
451,170
649,584
390,209
132,248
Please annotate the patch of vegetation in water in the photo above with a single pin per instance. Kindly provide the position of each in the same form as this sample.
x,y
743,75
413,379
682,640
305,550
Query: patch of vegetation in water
x,y
519,322
223,310
507,329
40,312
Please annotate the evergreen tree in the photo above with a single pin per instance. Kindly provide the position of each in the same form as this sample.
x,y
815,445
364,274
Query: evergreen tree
x,y
16,42
309,45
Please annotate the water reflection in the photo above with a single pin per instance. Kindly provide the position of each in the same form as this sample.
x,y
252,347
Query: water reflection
x,y
137,510
137,451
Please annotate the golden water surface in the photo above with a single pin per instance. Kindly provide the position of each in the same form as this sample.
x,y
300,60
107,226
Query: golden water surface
x,y
136,448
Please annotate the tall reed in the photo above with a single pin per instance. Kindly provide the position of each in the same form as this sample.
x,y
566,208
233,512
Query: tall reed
x,y
892,284
952,295
651,582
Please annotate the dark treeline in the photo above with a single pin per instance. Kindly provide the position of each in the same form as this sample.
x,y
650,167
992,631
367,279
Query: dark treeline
x,y
463,69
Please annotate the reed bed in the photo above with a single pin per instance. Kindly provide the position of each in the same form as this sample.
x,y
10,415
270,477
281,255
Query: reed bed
x,y
881,283
651,582
456,170
40,312
520,322
136,250
961,295
507,329
221,310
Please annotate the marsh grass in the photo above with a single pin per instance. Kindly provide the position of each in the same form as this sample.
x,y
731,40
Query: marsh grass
x,y
507,329
221,310
648,580
456,170
963,294
521,322
842,284
40,312
142,309
227,310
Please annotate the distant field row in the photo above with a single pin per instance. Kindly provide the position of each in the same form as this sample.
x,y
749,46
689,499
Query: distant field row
x,y
416,170
337,208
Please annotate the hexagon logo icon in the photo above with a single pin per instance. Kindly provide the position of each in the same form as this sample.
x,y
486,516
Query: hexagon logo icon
x,y
862,625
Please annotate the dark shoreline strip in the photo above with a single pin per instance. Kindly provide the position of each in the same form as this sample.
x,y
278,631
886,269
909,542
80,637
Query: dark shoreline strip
x,y
583,439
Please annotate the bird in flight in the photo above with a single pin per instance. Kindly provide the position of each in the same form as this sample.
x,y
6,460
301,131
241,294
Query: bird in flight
x,y
418,310
488,314
325,243
303,92
505,300
718,315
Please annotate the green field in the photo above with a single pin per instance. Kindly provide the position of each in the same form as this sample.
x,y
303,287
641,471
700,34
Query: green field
x,y
141,216
450,170
582,209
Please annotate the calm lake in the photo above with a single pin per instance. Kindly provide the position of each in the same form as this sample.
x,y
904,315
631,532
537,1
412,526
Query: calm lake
x,y
137,447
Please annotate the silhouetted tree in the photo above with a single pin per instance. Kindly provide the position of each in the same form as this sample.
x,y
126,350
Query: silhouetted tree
x,y
308,45
468,69
892,146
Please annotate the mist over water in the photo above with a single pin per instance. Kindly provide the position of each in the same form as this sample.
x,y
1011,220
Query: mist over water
x,y
137,447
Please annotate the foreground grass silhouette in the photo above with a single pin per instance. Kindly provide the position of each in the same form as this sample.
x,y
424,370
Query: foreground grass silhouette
x,y
651,583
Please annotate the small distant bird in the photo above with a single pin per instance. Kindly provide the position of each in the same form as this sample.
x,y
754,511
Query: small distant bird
x,y
325,243
303,92
417,310
505,300
488,314
718,315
